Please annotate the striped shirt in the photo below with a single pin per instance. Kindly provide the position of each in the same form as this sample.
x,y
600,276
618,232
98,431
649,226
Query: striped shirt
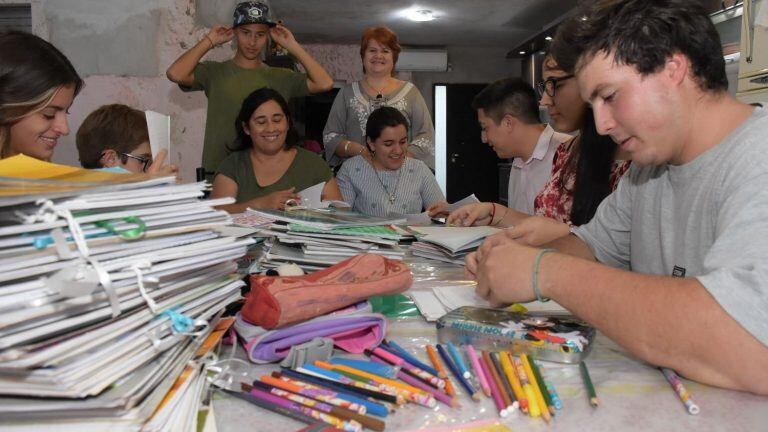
x,y
368,191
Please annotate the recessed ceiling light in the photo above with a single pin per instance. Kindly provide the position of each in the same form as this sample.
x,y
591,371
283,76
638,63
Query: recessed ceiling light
x,y
548,38
584,18
421,15
522,52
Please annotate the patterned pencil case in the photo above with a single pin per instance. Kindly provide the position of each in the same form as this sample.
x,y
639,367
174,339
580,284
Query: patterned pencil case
x,y
546,336
276,301
352,332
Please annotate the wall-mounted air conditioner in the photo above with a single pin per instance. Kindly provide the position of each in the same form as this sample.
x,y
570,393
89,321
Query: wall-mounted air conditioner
x,y
422,60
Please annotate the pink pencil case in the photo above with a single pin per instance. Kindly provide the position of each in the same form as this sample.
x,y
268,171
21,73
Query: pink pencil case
x,y
352,332
276,301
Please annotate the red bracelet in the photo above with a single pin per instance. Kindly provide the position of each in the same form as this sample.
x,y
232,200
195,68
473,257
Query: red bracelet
x,y
493,213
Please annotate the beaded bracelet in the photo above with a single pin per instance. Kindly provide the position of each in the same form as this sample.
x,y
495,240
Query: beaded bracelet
x,y
536,274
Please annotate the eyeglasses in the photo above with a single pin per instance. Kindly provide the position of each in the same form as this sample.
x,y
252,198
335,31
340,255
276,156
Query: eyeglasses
x,y
145,161
548,85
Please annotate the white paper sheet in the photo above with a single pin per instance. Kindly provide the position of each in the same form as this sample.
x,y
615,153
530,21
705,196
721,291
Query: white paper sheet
x,y
159,127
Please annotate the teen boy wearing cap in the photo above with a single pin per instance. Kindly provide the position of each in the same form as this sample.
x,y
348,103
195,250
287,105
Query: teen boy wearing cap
x,y
227,83
685,229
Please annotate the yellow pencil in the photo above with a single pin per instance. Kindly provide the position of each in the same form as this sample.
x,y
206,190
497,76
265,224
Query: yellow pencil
x,y
509,371
530,394
532,379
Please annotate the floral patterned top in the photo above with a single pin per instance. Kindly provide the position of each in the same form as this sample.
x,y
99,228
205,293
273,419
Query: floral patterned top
x,y
556,198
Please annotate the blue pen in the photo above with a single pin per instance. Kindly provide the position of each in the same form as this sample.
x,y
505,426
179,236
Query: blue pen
x,y
455,370
411,359
367,366
459,361
372,408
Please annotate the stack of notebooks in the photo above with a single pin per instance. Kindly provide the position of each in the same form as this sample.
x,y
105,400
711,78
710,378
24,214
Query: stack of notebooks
x,y
109,284
318,238
447,243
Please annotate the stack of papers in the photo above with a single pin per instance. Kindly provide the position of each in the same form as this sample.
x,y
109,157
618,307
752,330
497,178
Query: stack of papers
x,y
447,243
109,283
315,239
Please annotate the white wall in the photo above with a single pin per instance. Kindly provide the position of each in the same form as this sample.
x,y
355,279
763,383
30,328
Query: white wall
x,y
122,49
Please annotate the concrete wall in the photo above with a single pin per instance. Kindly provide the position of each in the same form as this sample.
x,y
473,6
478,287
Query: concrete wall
x,y
122,49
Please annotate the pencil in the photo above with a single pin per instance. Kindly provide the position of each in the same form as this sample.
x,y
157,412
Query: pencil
x,y
472,354
413,360
359,395
509,371
269,406
542,386
327,396
458,361
344,414
439,367
536,390
593,400
504,381
533,406
495,390
455,370
681,391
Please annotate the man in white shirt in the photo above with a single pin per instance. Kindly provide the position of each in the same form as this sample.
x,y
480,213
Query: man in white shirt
x,y
508,113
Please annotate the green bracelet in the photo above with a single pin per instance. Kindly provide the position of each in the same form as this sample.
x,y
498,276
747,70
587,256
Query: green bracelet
x,y
536,274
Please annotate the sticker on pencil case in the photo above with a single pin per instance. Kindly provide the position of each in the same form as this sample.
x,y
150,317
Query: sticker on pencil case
x,y
559,338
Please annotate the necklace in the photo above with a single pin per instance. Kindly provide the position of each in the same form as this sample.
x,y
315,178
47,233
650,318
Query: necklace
x,y
391,196
379,100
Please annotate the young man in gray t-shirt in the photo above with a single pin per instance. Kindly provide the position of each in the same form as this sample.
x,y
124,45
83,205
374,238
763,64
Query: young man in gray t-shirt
x,y
684,233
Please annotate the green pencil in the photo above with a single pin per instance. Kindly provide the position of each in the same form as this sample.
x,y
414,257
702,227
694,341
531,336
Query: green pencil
x,y
540,379
593,400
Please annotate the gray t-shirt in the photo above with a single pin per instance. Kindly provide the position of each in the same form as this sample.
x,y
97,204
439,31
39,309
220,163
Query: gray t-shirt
x,y
350,112
413,187
704,219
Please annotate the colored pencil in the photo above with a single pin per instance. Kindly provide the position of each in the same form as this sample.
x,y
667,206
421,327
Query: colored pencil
x,y
383,388
415,371
455,371
472,354
536,389
322,395
504,381
533,405
509,371
498,400
413,360
268,406
496,379
459,361
388,356
682,392
432,354
436,394
346,425
344,414
342,379
373,407
593,400
542,386
407,395
386,371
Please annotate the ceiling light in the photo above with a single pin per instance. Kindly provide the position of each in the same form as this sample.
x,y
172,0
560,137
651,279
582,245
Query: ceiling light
x,y
522,52
548,38
421,15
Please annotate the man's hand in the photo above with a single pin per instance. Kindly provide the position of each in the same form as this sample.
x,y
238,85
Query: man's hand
x,y
220,35
158,168
471,215
537,230
283,37
504,272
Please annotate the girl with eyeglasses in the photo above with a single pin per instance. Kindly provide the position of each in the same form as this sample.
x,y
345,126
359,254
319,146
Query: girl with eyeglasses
x,y
344,133
585,169
38,86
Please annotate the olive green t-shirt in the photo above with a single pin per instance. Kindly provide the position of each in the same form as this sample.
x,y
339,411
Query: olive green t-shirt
x,y
307,169
226,85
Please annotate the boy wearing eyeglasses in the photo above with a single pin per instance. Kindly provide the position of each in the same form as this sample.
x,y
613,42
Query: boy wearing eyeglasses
x,y
116,137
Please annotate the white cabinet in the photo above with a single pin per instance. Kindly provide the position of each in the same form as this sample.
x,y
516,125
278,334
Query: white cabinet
x,y
753,75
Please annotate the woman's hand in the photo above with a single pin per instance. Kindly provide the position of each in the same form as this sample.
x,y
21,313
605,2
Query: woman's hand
x,y
220,34
439,208
275,200
537,230
471,215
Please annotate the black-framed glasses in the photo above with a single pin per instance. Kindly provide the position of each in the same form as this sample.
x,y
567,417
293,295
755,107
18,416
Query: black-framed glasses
x,y
549,85
145,161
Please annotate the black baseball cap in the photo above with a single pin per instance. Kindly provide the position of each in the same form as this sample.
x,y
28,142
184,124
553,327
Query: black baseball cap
x,y
252,12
